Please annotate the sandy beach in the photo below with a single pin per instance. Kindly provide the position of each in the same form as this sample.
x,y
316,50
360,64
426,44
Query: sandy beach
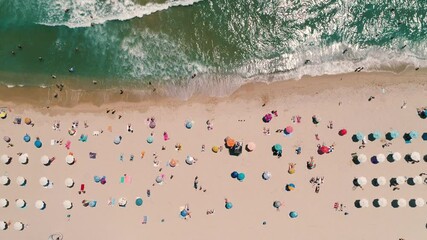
x,y
358,102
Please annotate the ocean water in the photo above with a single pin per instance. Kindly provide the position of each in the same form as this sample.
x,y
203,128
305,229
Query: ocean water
x,y
129,43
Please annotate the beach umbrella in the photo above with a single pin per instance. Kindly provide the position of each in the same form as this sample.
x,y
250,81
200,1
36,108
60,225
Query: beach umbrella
x,y
342,132
4,180
415,156
418,180
4,202
401,202
6,139
27,121
44,181
397,156
189,160
382,202
376,135
361,181
289,130
69,182
18,226
96,179
123,202
250,146
3,114
381,181
183,213
172,163
189,124
228,205
393,134
267,118
67,204
420,202
359,136
23,159
159,179
117,140
45,160
323,149
290,187
215,149
152,124
27,138
138,201
364,203
277,204
380,158
229,142
20,203
278,147
400,180
21,181
413,134
293,214
38,143
92,204
361,158
3,225
69,159
40,205
150,139
241,176
234,174
266,175
424,136
5,159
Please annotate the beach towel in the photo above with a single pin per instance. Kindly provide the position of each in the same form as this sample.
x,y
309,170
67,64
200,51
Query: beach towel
x,y
92,155
52,142
68,145
128,179
122,179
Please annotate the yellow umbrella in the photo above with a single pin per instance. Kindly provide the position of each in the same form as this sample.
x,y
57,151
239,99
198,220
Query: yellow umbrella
x,y
27,121
3,114
215,149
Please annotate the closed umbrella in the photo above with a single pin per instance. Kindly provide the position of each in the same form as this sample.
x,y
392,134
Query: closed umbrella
x,y
293,214
4,202
382,202
289,130
21,181
45,160
67,204
250,146
381,158
364,203
277,204
397,156
5,159
138,201
3,225
69,159
40,205
69,182
361,158
27,138
415,156
361,181
44,181
38,143
189,160
150,139
18,226
401,202
241,177
20,203
4,180
400,180
418,180
266,175
117,140
420,202
381,181
23,159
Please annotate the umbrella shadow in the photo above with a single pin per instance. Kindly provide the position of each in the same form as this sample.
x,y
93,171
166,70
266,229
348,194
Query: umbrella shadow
x,y
374,160
375,182
410,181
388,136
412,203
376,203
355,160
407,137
371,137
395,203
357,204
354,138
408,158
390,158
425,158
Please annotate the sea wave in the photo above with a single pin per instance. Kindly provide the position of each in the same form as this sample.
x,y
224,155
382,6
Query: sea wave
x,y
85,13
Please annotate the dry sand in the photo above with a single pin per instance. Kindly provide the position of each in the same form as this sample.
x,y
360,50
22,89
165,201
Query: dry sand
x,y
252,198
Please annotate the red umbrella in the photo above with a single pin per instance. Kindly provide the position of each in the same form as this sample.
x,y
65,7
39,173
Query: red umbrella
x,y
342,132
323,149
289,129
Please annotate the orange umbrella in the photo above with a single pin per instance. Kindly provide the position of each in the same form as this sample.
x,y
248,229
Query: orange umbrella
x,y
27,121
229,142
172,163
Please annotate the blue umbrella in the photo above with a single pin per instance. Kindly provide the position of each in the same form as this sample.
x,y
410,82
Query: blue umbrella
x,y
376,135
27,138
241,176
38,143
150,139
293,214
359,136
184,213
138,201
424,136
189,125
413,134
96,179
234,174
394,134
278,147
92,203
228,205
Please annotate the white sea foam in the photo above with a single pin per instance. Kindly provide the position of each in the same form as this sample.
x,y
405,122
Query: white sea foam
x,y
84,13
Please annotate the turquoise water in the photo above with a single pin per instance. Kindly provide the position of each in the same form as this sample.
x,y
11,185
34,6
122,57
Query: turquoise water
x,y
225,42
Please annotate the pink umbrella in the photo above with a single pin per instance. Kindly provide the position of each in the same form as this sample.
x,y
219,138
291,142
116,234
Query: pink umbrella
x,y
165,136
289,130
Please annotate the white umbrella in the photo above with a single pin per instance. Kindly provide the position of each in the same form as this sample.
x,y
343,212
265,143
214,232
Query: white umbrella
x,y
4,202
45,160
401,202
18,226
40,204
122,202
44,181
266,175
420,202
418,180
5,159
20,203
69,159
20,180
67,204
23,159
361,181
361,158
380,158
382,202
397,156
416,156
159,179
364,203
189,160
400,180
69,182
4,180
381,181
3,225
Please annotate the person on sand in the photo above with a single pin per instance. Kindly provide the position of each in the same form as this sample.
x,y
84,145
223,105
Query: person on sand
x,y
291,168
